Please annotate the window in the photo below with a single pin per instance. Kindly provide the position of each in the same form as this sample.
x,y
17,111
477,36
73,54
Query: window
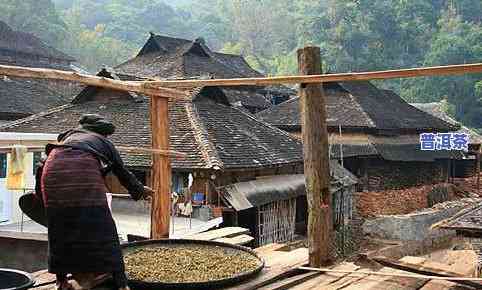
x,y
3,165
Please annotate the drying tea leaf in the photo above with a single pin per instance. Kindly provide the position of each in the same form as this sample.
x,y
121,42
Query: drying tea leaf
x,y
187,263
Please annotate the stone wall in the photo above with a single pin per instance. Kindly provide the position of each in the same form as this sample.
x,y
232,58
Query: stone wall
x,y
23,253
415,226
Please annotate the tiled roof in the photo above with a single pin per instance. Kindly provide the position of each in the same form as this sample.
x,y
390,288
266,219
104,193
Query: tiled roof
x,y
175,58
360,105
169,57
392,148
22,42
469,219
23,96
212,133
436,109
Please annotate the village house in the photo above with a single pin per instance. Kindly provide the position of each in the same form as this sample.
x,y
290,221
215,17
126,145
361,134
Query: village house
x,y
175,58
21,97
259,204
225,146
376,134
462,167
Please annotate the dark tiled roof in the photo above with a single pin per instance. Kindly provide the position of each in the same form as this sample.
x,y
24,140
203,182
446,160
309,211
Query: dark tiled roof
x,y
247,98
436,109
360,105
213,134
175,58
22,42
27,96
168,57
392,148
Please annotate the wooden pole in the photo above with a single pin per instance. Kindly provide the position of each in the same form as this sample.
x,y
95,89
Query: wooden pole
x,y
319,78
131,86
160,170
316,163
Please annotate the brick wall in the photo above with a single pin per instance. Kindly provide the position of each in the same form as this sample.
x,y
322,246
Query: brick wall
x,y
391,202
377,174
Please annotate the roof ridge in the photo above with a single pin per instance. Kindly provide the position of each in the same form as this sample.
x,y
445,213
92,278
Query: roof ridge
x,y
372,123
35,116
274,108
207,149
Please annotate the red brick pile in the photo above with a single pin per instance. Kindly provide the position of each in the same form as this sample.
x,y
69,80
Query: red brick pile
x,y
401,201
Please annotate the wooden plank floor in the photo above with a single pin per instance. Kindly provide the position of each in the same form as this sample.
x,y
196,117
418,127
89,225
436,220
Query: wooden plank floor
x,y
281,273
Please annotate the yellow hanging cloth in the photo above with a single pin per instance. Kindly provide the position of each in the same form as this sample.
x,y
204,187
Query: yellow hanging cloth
x,y
17,165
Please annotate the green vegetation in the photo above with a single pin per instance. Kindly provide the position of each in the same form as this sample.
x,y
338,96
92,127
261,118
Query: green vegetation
x,y
354,35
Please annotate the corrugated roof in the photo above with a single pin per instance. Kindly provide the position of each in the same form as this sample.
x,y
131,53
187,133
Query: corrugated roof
x,y
244,195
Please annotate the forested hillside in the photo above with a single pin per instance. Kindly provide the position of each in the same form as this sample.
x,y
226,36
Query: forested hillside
x,y
354,35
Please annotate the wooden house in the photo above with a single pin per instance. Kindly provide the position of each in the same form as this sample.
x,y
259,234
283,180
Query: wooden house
x,y
274,208
223,144
24,97
376,133
470,165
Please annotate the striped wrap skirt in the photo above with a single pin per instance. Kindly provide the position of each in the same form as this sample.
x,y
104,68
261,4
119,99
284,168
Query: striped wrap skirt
x,y
81,231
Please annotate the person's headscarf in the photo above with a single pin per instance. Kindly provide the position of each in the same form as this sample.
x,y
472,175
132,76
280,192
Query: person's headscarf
x,y
97,124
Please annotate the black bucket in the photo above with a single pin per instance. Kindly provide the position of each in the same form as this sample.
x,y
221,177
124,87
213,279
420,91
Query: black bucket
x,y
15,280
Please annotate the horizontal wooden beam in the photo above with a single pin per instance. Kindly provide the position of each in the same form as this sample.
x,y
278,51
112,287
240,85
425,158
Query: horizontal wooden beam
x,y
161,152
127,149
325,78
426,270
131,86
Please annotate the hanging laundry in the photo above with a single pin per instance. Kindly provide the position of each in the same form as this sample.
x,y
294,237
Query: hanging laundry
x,y
17,167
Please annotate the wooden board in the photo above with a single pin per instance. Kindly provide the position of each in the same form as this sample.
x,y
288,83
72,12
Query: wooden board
x,y
218,234
237,240
290,282
277,267
345,281
326,279
428,268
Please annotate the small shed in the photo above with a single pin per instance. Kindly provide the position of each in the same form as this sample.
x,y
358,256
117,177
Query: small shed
x,y
274,208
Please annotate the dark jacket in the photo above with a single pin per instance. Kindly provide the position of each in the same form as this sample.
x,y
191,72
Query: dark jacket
x,y
106,152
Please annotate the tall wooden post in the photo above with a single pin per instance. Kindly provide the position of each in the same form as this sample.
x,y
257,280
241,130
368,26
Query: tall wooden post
x,y
477,166
161,169
316,162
